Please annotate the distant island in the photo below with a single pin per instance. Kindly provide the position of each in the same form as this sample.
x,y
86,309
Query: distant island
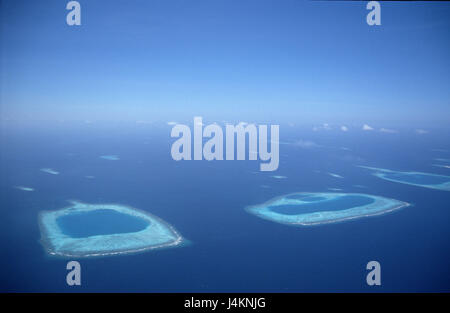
x,y
85,230
427,180
313,208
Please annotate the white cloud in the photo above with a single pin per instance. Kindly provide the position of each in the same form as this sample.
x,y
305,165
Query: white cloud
x,y
279,177
367,127
306,144
171,123
324,126
421,131
344,128
389,131
335,175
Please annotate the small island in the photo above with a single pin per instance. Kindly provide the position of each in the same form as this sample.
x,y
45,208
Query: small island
x,y
87,230
314,208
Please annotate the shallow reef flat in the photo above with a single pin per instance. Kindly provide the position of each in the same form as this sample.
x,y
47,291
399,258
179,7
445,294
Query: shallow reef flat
x,y
314,208
427,180
87,230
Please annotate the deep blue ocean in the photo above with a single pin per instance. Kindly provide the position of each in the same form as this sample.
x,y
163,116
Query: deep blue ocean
x,y
229,249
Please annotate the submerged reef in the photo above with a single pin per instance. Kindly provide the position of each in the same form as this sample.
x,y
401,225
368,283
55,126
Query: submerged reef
x,y
86,230
49,171
24,188
313,208
110,157
441,165
442,160
427,180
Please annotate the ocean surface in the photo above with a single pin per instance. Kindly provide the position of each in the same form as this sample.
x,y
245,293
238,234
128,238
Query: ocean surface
x,y
229,249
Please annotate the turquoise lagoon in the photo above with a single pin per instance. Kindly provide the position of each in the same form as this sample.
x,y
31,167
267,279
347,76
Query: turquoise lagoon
x,y
433,181
313,208
84,230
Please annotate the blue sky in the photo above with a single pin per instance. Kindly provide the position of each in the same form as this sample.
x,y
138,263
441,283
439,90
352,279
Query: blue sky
x,y
285,60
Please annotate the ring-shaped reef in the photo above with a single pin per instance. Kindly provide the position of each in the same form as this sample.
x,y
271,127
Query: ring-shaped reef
x,y
314,208
427,180
87,230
